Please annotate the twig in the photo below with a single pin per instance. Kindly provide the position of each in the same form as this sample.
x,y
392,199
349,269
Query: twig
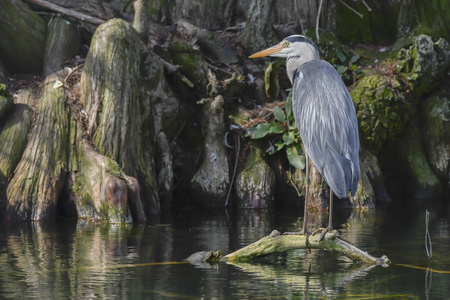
x,y
367,6
65,11
299,18
428,237
352,9
169,67
237,149
317,21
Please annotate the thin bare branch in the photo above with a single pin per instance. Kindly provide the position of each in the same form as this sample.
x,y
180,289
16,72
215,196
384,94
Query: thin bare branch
x,y
352,9
68,12
317,20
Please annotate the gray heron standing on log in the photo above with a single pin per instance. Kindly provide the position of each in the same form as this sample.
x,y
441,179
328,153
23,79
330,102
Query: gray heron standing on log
x,y
325,117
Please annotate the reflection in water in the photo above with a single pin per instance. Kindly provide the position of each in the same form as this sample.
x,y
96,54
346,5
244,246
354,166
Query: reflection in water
x,y
87,261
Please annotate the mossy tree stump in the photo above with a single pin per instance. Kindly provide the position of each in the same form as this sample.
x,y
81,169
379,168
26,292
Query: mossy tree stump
x,y
117,103
40,175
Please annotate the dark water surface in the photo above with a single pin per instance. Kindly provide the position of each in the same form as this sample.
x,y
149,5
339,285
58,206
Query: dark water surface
x,y
85,261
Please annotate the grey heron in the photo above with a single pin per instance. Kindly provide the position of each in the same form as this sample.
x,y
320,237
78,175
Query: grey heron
x,y
325,117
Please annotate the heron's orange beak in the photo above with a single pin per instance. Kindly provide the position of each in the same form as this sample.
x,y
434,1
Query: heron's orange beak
x,y
269,51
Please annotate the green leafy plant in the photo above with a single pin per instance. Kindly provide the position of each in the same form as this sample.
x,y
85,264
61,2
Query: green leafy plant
x,y
284,134
345,69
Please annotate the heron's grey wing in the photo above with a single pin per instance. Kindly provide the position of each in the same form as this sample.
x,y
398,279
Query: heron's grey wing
x,y
325,116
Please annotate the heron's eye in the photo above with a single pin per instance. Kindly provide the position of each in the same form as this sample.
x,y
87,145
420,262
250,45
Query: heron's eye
x,y
286,43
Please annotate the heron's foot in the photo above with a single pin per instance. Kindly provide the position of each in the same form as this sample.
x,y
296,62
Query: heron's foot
x,y
324,232
306,233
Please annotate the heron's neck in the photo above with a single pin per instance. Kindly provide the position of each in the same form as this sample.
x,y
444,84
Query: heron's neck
x,y
294,62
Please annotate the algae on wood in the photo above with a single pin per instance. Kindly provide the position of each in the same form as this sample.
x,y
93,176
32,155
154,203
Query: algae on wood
x,y
117,102
255,184
6,100
13,134
258,32
435,113
211,181
277,243
40,175
102,192
62,43
22,37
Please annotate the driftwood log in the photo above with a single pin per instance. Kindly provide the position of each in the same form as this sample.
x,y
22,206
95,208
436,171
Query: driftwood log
x,y
277,243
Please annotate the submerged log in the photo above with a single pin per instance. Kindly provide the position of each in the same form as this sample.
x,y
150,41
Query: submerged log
x,y
62,43
117,101
23,37
14,133
40,175
277,243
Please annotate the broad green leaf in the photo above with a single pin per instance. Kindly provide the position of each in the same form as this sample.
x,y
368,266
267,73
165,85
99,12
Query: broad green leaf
x,y
353,60
276,147
341,55
275,128
259,131
289,138
279,114
341,69
294,157
279,145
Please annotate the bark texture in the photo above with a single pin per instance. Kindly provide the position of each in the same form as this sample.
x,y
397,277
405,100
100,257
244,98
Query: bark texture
x,y
13,134
103,193
40,175
212,180
276,243
62,43
258,32
23,37
117,101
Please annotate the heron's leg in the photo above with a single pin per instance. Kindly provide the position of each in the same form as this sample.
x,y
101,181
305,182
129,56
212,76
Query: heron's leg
x,y
304,230
330,217
305,213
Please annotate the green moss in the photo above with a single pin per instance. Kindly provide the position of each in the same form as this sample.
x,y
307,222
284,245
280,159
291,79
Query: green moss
x,y
383,108
192,62
424,63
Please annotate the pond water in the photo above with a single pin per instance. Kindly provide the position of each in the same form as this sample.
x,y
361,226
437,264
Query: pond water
x,y
70,260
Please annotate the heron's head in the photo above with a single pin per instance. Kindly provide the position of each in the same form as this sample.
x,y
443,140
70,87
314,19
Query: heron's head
x,y
292,46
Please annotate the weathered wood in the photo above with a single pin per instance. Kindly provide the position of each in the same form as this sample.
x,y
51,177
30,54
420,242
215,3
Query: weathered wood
x,y
22,37
210,183
35,187
3,73
276,243
62,43
116,96
6,101
68,12
102,192
13,134
258,32
255,184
